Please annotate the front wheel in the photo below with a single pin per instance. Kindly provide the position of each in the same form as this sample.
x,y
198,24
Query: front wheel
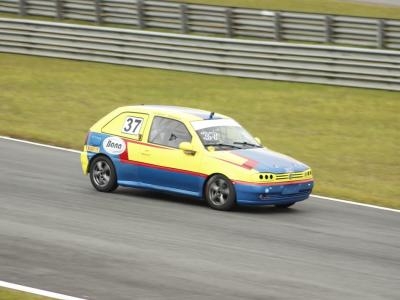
x,y
102,174
220,193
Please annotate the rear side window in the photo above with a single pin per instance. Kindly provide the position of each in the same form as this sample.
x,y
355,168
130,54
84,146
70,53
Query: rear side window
x,y
168,132
129,124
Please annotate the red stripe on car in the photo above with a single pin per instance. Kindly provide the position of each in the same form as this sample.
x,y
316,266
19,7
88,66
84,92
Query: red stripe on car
x,y
143,164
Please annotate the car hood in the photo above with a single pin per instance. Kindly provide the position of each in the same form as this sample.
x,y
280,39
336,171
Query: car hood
x,y
261,160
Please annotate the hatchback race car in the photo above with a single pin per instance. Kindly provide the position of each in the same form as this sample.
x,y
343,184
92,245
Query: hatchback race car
x,y
191,152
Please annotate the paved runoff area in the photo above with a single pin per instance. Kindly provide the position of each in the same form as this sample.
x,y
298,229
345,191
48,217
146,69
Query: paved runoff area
x,y
58,234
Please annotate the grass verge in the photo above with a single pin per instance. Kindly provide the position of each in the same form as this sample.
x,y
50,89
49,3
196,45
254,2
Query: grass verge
x,y
349,136
7,294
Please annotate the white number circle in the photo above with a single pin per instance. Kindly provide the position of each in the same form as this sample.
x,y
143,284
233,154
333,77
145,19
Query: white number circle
x,y
114,145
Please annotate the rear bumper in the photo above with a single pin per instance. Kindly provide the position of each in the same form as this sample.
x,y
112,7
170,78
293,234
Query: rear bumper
x,y
85,162
256,194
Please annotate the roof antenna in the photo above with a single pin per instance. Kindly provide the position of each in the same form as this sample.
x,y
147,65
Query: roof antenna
x,y
212,115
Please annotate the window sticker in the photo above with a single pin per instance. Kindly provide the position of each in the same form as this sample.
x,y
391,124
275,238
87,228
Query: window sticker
x,y
132,125
209,136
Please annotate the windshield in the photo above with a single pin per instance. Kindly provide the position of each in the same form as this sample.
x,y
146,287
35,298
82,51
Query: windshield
x,y
224,134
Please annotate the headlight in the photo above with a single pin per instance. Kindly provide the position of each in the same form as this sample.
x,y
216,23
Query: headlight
x,y
266,176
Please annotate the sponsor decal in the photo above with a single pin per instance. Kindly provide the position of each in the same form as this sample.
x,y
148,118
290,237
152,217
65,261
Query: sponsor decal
x,y
114,145
93,149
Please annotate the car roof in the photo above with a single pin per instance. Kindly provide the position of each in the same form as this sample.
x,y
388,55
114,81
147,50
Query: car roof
x,y
190,114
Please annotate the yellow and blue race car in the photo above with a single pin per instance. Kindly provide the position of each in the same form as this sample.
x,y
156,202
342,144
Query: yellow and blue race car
x,y
192,152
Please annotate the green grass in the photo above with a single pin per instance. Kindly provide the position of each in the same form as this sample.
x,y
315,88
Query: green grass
x,y
349,136
7,294
313,6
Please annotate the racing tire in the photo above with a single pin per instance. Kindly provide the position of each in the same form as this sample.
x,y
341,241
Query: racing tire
x,y
220,193
102,174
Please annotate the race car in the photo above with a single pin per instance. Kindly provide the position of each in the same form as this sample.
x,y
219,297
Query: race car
x,y
193,152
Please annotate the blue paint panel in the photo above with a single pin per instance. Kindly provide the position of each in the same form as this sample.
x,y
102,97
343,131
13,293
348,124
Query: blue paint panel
x,y
171,180
95,139
155,187
270,161
126,172
250,194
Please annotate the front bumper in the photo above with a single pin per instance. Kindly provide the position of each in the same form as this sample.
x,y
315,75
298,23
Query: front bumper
x,y
277,194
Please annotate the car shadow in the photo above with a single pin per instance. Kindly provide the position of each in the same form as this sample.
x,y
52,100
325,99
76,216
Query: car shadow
x,y
190,201
160,196
268,209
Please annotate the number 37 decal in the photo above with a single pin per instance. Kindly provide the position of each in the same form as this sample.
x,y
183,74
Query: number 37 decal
x,y
132,125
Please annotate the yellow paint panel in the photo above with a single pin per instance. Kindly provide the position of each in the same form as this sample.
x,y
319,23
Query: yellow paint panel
x,y
84,162
165,157
132,148
235,159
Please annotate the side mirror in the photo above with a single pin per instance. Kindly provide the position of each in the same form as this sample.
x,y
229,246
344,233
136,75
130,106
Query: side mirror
x,y
187,148
258,140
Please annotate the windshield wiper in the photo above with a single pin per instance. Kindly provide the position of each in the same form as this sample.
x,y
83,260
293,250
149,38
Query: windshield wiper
x,y
246,144
222,145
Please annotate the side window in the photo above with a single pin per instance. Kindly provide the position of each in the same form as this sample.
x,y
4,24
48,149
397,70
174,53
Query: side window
x,y
168,132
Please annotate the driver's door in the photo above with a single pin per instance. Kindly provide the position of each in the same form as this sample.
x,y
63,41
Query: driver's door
x,y
163,164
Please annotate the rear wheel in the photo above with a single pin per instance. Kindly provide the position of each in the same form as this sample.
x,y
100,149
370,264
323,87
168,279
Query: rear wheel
x,y
102,174
220,193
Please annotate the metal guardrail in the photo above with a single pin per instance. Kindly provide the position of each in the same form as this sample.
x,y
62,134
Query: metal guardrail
x,y
217,20
354,67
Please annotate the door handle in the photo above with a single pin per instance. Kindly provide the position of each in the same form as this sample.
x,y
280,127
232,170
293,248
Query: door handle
x,y
146,152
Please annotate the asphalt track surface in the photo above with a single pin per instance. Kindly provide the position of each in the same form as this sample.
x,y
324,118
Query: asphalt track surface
x,y
57,233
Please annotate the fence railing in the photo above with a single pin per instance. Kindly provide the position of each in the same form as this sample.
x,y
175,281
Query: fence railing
x,y
217,20
220,56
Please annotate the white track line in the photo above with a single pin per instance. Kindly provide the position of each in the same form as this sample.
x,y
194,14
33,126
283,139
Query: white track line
x,y
37,291
356,203
38,144
316,196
